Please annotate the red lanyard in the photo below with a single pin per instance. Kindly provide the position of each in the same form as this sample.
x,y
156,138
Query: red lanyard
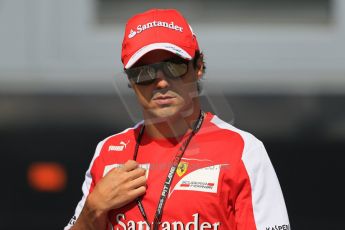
x,y
171,173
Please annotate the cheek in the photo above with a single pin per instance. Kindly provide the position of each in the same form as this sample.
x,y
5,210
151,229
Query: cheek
x,y
188,90
184,96
191,93
143,95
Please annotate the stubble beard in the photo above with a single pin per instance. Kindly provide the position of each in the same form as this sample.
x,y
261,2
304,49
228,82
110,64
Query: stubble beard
x,y
169,113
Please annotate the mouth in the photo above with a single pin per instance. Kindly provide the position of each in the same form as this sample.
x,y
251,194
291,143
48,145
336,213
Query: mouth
x,y
164,99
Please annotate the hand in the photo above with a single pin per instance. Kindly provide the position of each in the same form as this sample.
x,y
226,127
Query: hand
x,y
119,187
116,189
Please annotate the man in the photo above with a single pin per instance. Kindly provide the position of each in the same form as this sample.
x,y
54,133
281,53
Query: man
x,y
180,168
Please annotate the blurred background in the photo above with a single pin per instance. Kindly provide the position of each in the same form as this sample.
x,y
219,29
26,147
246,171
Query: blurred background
x,y
275,68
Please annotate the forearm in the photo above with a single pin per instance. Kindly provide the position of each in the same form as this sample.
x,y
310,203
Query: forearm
x,y
91,218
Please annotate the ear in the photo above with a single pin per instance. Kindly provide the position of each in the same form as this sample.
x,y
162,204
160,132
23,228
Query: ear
x,y
200,66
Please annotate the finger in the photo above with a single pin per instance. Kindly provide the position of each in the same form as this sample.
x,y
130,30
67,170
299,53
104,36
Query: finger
x,y
138,182
135,193
130,165
134,174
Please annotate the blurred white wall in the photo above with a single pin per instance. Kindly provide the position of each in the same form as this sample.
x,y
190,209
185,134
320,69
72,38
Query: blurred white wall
x,y
62,47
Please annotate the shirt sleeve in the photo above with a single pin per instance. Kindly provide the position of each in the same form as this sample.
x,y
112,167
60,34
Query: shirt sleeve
x,y
260,203
87,186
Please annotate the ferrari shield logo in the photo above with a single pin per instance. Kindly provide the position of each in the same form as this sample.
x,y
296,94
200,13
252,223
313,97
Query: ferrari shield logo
x,y
182,168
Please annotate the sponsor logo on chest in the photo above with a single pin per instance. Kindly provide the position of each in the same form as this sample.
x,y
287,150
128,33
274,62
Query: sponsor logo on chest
x,y
165,225
122,146
202,180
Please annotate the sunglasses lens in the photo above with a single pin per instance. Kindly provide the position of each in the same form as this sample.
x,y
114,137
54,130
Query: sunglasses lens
x,y
175,70
145,75
142,75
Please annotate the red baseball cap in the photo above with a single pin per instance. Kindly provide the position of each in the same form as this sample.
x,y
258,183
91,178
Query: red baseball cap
x,y
164,29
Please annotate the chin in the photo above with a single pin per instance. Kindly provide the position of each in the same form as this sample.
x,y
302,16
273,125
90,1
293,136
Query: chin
x,y
167,113
162,114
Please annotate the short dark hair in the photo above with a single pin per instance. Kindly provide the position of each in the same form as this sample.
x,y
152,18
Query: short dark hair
x,y
197,56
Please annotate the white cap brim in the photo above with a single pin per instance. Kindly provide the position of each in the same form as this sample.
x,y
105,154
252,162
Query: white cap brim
x,y
157,46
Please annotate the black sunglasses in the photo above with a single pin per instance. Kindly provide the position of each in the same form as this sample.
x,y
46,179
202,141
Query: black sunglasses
x,y
147,74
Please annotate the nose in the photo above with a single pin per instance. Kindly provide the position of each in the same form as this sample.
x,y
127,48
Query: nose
x,y
162,81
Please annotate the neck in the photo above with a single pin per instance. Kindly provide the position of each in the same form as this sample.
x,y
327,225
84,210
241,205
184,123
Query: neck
x,y
173,126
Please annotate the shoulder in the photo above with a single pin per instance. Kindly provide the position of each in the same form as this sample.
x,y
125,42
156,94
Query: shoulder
x,y
230,133
250,150
112,144
118,141
121,138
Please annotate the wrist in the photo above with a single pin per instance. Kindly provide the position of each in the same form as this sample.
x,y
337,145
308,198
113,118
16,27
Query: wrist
x,y
91,217
94,209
